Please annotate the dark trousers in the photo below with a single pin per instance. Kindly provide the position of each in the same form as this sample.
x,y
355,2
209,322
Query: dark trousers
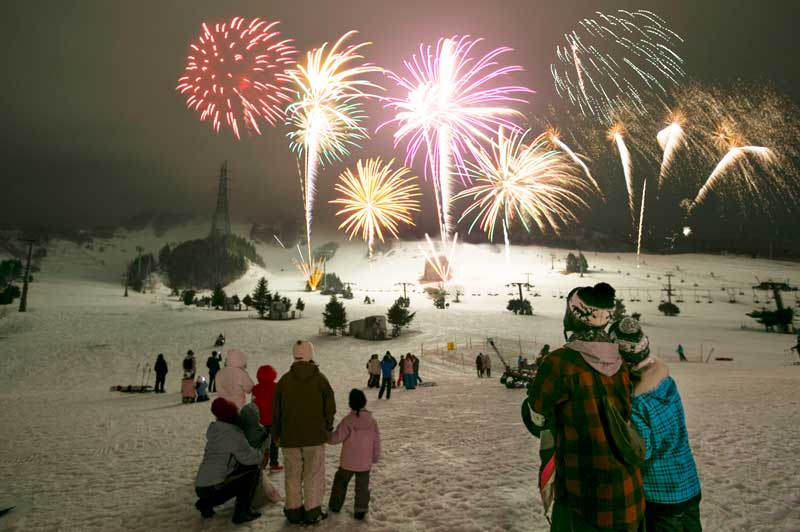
x,y
488,372
273,449
374,381
417,377
386,384
680,518
240,484
339,490
480,371
565,519
160,378
212,384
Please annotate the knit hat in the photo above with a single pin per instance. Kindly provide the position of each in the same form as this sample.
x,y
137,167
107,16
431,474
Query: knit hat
x,y
224,410
589,307
303,350
633,345
357,400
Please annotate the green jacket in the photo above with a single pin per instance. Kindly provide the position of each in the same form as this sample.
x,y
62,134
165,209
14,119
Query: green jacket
x,y
303,408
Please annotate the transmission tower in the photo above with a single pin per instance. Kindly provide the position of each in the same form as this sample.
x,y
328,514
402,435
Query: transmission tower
x,y
221,222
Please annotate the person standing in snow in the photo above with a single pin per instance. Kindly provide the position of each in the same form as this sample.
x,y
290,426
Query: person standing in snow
x,y
542,354
401,368
302,415
161,369
409,380
233,382
374,370
594,488
387,371
263,395
361,447
189,365
417,378
213,368
669,474
229,467
479,364
487,365
681,356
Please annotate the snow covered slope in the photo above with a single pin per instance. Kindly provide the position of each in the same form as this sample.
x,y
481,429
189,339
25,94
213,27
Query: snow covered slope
x,y
75,456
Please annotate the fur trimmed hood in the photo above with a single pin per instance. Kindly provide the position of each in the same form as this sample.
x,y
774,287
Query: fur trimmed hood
x,y
651,371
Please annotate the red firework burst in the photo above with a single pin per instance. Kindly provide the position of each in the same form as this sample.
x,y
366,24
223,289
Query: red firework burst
x,y
236,71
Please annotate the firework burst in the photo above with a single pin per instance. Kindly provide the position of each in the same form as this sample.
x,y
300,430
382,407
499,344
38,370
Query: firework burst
x,y
375,199
452,103
617,135
311,268
441,265
235,73
528,181
325,118
670,139
609,62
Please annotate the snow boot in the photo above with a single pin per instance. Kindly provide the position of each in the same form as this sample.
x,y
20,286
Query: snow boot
x,y
245,518
360,515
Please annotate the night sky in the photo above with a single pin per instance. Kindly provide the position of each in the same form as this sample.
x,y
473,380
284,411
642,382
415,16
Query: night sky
x,y
94,132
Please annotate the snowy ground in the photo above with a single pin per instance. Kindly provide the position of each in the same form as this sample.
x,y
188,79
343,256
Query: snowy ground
x,y
74,456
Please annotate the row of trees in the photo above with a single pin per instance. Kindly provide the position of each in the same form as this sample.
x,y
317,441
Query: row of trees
x,y
10,272
334,317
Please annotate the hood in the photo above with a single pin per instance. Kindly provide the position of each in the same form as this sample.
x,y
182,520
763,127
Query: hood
x,y
652,372
249,416
362,421
219,430
602,356
304,370
266,374
236,359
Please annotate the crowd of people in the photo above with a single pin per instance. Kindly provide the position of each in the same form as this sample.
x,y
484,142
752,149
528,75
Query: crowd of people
x,y
614,447
295,414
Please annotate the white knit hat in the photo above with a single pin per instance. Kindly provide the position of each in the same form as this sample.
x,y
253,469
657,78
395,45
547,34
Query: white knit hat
x,y
303,350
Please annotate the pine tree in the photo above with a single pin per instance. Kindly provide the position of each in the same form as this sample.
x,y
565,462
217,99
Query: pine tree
x,y
335,316
236,302
261,297
573,265
300,306
188,297
398,317
248,301
218,297
619,310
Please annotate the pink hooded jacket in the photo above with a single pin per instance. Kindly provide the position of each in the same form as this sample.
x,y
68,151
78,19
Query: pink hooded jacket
x,y
233,383
362,441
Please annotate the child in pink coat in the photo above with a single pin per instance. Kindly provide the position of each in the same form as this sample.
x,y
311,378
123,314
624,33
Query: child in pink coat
x,y
361,448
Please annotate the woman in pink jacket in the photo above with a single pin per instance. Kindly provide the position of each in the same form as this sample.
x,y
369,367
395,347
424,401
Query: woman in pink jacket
x,y
409,380
361,448
233,382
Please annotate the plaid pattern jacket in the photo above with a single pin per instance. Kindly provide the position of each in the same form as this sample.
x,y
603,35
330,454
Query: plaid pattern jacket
x,y
669,472
590,479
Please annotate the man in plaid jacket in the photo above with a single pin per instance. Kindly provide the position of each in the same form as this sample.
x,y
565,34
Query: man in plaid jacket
x,y
594,489
671,484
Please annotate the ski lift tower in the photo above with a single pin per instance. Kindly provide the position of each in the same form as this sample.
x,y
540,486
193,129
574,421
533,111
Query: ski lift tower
x,y
221,222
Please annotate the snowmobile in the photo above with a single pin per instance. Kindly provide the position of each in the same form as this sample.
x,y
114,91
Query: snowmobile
x,y
514,377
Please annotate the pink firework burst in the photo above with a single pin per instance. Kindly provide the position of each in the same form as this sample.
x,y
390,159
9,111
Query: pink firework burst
x,y
453,102
235,73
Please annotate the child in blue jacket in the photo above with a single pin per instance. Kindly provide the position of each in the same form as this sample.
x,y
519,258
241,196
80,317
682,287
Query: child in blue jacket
x,y
671,484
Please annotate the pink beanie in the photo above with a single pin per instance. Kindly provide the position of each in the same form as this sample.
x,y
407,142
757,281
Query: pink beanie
x,y
303,350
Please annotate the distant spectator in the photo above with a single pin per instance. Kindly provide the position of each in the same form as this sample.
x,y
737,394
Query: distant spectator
x,y
387,368
263,395
213,367
417,378
487,365
401,367
161,370
201,390
374,371
189,365
479,364
680,353
409,380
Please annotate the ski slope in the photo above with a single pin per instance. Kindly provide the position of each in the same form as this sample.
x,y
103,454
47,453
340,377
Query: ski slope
x,y
456,457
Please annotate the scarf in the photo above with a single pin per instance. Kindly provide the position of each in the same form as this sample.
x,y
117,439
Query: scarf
x,y
597,350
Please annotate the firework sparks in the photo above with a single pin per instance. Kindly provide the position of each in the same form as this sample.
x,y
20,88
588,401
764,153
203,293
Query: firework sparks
x,y
443,268
375,199
325,118
617,135
452,104
641,221
734,156
670,139
625,55
555,138
311,269
235,72
528,181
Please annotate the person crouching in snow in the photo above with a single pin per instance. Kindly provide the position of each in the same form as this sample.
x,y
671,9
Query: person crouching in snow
x,y
229,467
302,415
263,394
669,475
361,447
201,389
233,383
